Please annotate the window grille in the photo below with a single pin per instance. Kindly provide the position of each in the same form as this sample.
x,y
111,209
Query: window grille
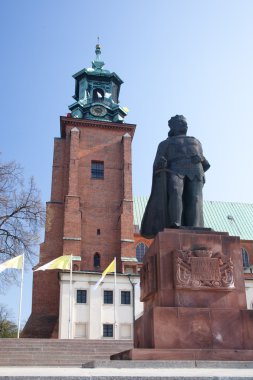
x,y
125,297
107,330
81,296
97,169
245,258
141,249
96,260
108,296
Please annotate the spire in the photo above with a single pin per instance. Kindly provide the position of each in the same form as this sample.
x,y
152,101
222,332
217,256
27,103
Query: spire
x,y
97,93
98,51
97,64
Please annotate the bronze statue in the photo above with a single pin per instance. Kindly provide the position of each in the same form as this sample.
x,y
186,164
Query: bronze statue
x,y
178,178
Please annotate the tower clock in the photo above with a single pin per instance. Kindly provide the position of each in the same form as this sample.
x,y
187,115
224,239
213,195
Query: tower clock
x,y
97,93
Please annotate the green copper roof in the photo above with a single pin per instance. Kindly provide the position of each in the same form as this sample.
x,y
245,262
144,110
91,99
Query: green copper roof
x,y
97,68
97,93
231,217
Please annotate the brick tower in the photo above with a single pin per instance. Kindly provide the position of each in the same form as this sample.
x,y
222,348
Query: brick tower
x,y
90,213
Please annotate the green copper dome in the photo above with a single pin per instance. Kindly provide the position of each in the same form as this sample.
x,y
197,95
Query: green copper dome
x,y
97,93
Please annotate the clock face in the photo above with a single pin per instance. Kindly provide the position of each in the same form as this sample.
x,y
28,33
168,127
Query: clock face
x,y
98,111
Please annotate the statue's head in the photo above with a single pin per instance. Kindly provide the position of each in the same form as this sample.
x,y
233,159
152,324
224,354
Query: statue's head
x,y
178,125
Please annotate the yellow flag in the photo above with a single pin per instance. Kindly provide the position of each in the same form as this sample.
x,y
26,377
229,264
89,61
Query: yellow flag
x,y
111,268
62,262
16,263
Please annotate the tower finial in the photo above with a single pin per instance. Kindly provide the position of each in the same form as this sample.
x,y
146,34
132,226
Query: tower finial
x,y
98,50
98,63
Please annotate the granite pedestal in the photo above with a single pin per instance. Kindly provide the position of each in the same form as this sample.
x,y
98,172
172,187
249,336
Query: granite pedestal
x,y
193,290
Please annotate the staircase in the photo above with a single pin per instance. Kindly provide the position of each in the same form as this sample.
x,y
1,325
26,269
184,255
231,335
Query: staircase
x,y
62,352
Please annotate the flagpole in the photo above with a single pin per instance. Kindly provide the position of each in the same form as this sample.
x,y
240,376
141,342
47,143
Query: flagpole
x,y
21,296
115,325
70,303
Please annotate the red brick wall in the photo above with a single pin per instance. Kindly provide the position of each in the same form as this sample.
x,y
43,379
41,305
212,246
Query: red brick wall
x,y
81,205
102,202
140,239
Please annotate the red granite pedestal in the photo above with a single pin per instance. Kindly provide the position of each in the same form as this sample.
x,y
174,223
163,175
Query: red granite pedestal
x,y
194,298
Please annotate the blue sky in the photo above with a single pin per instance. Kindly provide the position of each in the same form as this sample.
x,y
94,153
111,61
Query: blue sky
x,y
190,57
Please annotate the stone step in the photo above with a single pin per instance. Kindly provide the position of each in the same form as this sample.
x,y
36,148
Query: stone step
x,y
61,341
70,352
167,364
43,352
49,361
68,345
63,349
156,373
64,345
56,353
25,355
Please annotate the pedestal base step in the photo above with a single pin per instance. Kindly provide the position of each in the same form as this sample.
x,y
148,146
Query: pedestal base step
x,y
184,354
167,364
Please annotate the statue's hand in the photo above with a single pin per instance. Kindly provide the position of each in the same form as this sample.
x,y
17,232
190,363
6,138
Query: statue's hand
x,y
196,159
205,164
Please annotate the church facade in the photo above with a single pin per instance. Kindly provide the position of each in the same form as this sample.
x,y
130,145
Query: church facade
x,y
91,215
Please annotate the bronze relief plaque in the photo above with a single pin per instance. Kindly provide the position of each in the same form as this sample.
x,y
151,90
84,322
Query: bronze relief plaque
x,y
203,269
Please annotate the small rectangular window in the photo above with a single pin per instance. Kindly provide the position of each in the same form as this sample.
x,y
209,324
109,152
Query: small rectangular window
x,y
82,85
81,296
98,231
107,330
125,298
108,296
97,169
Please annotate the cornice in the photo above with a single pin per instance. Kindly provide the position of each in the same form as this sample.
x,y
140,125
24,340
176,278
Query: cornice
x,y
73,122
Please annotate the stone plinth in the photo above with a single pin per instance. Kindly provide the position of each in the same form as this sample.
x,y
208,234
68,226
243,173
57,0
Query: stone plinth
x,y
194,298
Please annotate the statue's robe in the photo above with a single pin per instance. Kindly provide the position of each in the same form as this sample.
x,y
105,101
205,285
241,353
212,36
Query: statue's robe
x,y
181,156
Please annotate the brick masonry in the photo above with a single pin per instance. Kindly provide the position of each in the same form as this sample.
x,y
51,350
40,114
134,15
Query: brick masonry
x,y
85,216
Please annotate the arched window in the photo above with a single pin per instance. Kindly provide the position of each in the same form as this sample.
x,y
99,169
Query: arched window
x,y
141,249
96,261
245,258
98,94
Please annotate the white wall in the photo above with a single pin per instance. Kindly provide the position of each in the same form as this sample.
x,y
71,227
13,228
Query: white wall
x,y
249,293
88,319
